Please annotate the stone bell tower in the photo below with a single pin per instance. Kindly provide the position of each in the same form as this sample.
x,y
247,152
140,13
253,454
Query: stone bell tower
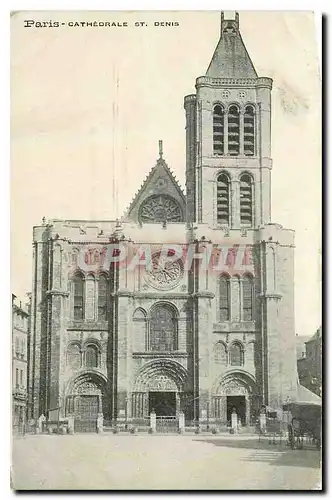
x,y
229,130
228,184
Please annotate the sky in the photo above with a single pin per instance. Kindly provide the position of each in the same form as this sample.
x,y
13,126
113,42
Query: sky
x,y
88,106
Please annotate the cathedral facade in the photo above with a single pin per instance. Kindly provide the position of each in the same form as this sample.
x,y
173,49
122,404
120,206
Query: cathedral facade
x,y
121,326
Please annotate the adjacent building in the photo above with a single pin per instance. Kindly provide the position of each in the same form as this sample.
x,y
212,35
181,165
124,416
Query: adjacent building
x,y
20,339
116,333
300,341
310,365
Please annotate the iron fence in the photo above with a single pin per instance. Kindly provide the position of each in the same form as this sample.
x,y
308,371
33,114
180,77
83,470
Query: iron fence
x,y
166,424
131,425
85,425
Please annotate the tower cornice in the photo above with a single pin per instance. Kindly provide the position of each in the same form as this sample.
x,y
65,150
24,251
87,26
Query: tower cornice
x,y
207,81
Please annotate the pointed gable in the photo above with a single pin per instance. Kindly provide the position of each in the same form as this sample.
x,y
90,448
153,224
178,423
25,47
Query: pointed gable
x,y
160,190
230,58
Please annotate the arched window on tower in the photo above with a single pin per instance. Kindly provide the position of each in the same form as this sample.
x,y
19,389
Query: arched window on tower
x,y
224,298
249,131
91,356
233,131
78,288
236,354
102,298
223,199
163,328
218,130
246,201
248,293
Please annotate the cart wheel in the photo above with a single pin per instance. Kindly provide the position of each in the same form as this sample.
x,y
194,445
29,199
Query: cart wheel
x,y
291,437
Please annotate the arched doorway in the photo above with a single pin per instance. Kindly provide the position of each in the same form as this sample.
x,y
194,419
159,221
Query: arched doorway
x,y
160,385
163,396
235,390
85,397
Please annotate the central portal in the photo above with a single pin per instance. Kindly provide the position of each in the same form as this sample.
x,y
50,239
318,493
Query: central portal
x,y
163,403
239,404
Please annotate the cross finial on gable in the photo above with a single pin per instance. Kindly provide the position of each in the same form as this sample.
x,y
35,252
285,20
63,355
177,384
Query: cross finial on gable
x,y
160,149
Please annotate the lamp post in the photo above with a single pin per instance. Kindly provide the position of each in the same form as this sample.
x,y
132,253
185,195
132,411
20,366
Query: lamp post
x,y
126,413
207,415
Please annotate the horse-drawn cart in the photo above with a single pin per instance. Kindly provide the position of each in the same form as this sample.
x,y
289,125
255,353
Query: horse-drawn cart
x,y
304,423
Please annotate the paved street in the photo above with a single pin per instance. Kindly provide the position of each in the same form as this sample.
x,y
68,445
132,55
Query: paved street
x,y
160,462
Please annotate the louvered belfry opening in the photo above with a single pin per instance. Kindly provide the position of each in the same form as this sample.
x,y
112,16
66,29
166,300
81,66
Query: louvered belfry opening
x,y
249,131
224,304
218,130
102,298
233,131
223,199
78,288
246,200
247,285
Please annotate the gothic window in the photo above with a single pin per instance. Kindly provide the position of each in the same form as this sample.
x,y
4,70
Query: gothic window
x,y
218,130
74,356
163,328
219,351
249,131
223,199
236,354
247,287
102,298
224,298
78,287
160,208
91,356
246,200
233,131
